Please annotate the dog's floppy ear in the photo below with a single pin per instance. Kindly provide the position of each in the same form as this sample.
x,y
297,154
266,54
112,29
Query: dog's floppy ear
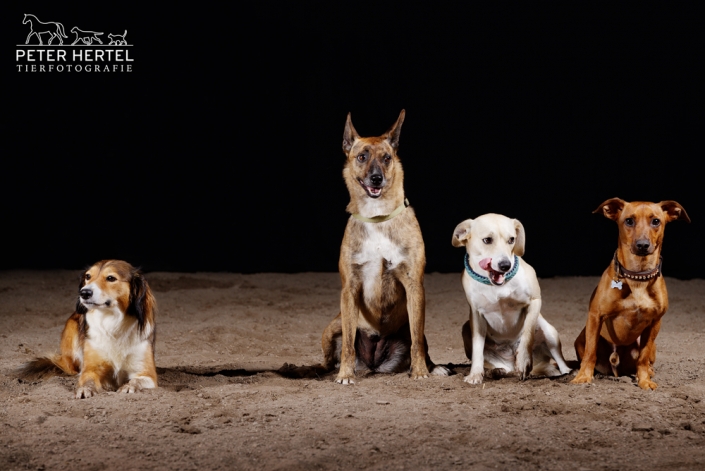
x,y
395,131
142,303
611,208
520,241
462,233
349,135
674,210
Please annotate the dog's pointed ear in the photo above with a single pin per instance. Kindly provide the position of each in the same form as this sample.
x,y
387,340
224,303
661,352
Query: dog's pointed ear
x,y
520,240
395,131
462,233
142,303
674,211
611,208
349,135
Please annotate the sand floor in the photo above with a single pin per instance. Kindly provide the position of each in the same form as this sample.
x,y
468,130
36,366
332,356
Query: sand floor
x,y
225,401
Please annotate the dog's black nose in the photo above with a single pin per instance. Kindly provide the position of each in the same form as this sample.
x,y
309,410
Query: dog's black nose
x,y
86,293
376,179
642,245
504,265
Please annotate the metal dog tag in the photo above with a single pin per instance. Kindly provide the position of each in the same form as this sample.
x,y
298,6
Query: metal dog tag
x,y
616,284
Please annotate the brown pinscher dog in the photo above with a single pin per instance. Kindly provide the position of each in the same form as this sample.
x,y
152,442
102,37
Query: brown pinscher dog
x,y
380,326
628,303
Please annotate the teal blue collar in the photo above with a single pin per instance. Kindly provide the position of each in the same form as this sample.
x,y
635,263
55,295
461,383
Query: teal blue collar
x,y
483,279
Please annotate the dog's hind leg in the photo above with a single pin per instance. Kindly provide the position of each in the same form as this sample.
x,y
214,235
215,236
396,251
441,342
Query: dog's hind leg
x,y
434,369
331,343
553,342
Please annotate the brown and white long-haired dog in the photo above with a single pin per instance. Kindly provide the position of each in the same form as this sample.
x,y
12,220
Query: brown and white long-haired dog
x,y
109,340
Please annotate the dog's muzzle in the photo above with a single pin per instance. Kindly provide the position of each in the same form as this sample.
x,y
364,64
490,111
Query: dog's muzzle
x,y
642,247
374,188
496,276
86,295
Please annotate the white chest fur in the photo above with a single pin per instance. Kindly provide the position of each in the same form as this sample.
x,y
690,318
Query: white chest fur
x,y
503,307
116,339
377,254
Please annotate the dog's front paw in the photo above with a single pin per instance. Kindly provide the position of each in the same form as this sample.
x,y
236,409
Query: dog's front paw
x,y
524,365
474,378
419,372
582,378
343,379
129,388
84,392
439,370
647,385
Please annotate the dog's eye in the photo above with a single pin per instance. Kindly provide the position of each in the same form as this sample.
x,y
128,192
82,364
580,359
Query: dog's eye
x,y
362,157
111,278
387,158
655,222
487,240
511,240
629,222
87,276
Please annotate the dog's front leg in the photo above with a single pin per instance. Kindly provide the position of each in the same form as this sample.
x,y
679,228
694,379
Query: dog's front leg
x,y
647,354
479,331
589,354
349,316
416,306
525,359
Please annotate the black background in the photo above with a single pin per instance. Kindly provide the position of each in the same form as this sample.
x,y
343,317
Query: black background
x,y
221,151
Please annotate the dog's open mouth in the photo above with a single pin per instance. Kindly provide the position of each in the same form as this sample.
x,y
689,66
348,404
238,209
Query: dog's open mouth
x,y
372,191
496,277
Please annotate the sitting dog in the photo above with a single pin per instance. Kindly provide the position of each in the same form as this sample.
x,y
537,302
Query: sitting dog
x,y
506,332
117,39
628,303
87,37
380,326
109,340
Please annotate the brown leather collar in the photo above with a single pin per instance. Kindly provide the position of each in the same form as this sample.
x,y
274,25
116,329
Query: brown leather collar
x,y
637,275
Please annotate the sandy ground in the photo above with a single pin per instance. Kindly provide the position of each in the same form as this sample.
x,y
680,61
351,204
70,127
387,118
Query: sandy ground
x,y
224,401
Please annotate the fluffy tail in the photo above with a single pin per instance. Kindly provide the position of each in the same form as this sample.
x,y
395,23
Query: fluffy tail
x,y
45,367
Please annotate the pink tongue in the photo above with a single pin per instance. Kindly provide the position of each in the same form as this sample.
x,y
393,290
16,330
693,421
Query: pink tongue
x,y
485,264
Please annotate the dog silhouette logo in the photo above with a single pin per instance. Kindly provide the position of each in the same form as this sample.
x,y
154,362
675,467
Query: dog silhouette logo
x,y
86,37
36,27
117,39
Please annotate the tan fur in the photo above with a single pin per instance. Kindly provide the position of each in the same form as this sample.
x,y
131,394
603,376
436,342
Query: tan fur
x,y
109,340
382,306
622,324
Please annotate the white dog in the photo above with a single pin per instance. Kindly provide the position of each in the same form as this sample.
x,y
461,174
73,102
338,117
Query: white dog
x,y
506,332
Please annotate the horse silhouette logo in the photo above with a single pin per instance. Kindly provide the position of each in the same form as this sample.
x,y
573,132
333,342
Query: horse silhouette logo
x,y
117,39
87,37
56,30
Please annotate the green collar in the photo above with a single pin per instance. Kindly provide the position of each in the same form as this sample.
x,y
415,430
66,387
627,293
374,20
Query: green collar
x,y
383,218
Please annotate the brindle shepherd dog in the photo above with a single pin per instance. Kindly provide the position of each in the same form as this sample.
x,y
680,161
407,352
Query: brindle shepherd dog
x,y
380,327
